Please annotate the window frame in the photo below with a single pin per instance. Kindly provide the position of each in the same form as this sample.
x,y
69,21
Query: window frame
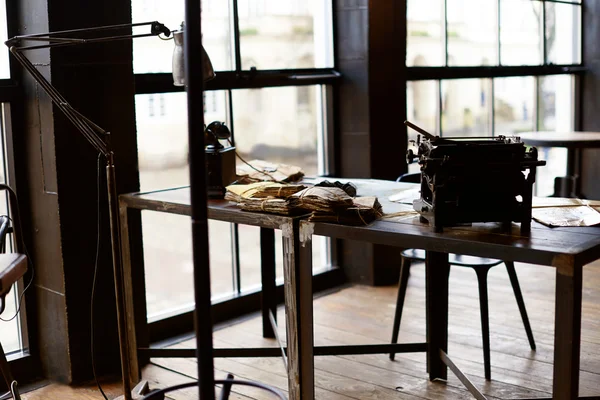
x,y
440,73
242,302
446,72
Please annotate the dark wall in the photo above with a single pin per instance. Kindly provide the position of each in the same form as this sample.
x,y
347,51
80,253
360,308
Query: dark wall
x,y
590,104
97,80
371,101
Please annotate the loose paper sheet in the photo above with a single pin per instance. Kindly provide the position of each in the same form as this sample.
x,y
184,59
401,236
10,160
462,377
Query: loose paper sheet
x,y
558,211
549,211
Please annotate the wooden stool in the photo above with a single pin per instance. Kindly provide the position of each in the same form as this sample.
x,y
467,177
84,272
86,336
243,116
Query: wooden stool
x,y
481,266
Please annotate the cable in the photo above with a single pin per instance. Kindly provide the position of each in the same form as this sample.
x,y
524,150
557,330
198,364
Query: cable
x,y
254,168
94,282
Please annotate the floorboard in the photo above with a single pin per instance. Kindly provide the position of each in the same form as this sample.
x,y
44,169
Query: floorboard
x,y
363,314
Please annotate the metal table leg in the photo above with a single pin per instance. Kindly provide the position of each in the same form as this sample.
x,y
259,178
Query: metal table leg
x,y
297,243
567,328
437,274
268,276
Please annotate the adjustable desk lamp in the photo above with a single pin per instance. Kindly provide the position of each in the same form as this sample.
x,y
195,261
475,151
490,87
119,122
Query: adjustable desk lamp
x,y
98,138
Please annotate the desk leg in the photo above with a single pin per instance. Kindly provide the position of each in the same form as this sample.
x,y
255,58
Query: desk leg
x,y
437,274
268,295
567,329
299,311
128,284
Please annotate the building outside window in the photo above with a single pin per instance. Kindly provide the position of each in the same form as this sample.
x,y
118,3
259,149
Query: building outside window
x,y
524,56
275,121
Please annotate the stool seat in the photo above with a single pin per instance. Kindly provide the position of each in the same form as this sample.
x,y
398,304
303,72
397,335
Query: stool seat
x,y
12,268
454,259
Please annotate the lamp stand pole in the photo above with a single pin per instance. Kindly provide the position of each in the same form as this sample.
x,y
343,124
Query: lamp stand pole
x,y
100,140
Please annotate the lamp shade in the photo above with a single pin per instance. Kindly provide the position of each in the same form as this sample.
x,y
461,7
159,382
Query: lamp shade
x,y
208,72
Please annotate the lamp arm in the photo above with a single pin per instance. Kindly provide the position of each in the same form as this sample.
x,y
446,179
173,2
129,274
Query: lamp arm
x,y
98,137
87,128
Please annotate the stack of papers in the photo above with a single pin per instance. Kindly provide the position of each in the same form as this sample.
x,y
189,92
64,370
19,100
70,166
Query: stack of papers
x,y
326,204
363,211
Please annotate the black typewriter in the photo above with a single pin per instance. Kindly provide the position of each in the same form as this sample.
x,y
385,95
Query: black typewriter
x,y
474,179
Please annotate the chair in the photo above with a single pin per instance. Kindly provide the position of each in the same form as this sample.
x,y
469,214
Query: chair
x,y
481,266
12,268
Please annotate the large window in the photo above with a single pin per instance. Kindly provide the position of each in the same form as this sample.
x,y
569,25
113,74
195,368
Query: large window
x,y
12,325
274,63
491,67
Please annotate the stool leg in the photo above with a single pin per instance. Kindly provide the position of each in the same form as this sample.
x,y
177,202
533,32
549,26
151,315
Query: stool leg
x,y
404,273
485,325
514,281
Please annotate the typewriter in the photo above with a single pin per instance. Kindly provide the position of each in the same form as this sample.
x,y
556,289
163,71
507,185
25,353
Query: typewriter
x,y
474,179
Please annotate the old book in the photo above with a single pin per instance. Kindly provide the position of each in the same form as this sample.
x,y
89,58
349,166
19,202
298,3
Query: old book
x,y
324,199
259,170
261,190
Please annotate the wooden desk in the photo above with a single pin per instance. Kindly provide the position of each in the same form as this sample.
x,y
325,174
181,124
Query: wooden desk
x,y
177,201
566,249
297,288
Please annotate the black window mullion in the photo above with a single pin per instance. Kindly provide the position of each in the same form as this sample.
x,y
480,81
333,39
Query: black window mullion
x,y
236,278
430,73
253,79
446,33
236,37
440,107
544,44
235,233
492,108
498,38
538,104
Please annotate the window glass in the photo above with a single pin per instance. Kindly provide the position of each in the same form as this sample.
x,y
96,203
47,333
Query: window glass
x,y
425,33
152,55
520,32
466,107
472,32
563,33
4,65
555,113
279,125
422,109
168,262
163,163
249,240
282,34
514,105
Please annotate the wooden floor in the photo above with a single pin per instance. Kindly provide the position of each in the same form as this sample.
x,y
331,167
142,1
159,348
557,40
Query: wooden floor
x,y
360,314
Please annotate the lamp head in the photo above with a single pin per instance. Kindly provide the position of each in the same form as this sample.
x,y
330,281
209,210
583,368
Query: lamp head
x,y
208,72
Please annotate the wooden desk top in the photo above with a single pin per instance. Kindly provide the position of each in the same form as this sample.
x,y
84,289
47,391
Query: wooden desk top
x,y
544,245
561,139
177,201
